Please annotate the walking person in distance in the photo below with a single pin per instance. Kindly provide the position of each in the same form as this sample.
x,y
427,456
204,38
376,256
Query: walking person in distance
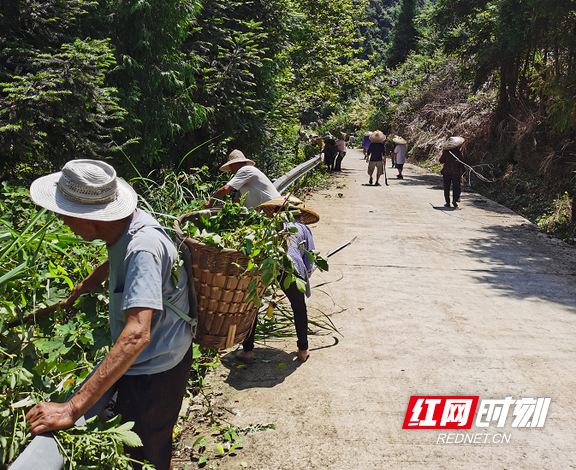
x,y
399,155
453,169
376,156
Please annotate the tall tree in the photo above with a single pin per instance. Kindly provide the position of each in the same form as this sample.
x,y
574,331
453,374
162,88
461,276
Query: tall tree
x,y
379,16
266,61
488,36
239,44
54,105
403,34
155,75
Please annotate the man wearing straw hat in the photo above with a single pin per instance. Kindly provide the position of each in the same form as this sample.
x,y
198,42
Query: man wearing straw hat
x,y
301,242
152,354
453,169
247,180
399,154
376,156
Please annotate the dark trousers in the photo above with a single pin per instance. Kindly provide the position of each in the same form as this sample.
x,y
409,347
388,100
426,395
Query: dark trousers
x,y
339,158
453,181
298,303
329,161
153,403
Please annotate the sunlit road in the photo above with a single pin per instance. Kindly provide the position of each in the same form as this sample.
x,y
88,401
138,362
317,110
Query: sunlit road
x,y
427,301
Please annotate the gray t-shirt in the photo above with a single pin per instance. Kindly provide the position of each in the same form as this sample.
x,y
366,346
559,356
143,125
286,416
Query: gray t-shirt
x,y
140,276
251,180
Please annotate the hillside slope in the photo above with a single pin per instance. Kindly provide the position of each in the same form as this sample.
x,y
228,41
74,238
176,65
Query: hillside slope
x,y
531,168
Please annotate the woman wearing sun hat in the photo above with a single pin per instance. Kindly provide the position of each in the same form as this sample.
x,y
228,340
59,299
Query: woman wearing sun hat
x,y
453,169
399,154
300,243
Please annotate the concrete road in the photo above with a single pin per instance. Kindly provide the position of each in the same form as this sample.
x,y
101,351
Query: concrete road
x,y
427,301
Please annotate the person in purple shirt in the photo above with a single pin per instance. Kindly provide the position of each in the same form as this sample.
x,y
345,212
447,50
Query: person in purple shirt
x,y
300,243
366,142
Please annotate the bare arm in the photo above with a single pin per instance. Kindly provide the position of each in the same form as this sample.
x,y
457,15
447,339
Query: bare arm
x,y
92,282
219,195
132,341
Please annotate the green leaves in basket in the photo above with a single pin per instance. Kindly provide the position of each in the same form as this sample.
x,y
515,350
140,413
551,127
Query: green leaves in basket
x,y
262,239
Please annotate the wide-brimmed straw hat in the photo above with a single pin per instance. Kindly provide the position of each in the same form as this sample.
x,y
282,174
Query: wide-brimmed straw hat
x,y
452,143
377,137
306,215
236,156
87,189
398,140
367,134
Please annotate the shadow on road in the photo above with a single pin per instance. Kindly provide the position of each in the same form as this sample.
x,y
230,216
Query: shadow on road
x,y
270,368
525,263
521,260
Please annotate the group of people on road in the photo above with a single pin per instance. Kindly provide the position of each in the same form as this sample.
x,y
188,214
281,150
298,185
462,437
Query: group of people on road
x,y
334,151
375,150
375,147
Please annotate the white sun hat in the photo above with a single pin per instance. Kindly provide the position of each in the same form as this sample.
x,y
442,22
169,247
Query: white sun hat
x,y
87,189
453,142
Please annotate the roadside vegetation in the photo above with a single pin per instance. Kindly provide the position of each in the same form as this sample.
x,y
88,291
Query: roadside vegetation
x,y
165,89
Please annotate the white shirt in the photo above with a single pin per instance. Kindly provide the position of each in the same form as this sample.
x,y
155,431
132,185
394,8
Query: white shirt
x,y
400,151
251,180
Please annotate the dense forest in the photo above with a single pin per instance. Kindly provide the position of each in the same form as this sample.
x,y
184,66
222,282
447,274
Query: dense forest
x,y
176,84
167,88
161,80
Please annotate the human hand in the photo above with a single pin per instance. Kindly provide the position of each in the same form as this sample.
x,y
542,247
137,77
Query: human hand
x,y
46,417
76,292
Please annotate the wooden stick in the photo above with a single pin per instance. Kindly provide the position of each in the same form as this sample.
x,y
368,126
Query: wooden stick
x,y
231,336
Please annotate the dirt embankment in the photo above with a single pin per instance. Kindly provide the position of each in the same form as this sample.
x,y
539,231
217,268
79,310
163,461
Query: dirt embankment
x,y
532,168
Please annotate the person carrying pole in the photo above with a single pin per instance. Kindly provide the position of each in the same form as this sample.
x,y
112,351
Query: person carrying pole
x,y
453,169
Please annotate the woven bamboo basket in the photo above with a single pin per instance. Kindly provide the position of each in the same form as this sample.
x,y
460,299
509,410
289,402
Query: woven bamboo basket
x,y
224,319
